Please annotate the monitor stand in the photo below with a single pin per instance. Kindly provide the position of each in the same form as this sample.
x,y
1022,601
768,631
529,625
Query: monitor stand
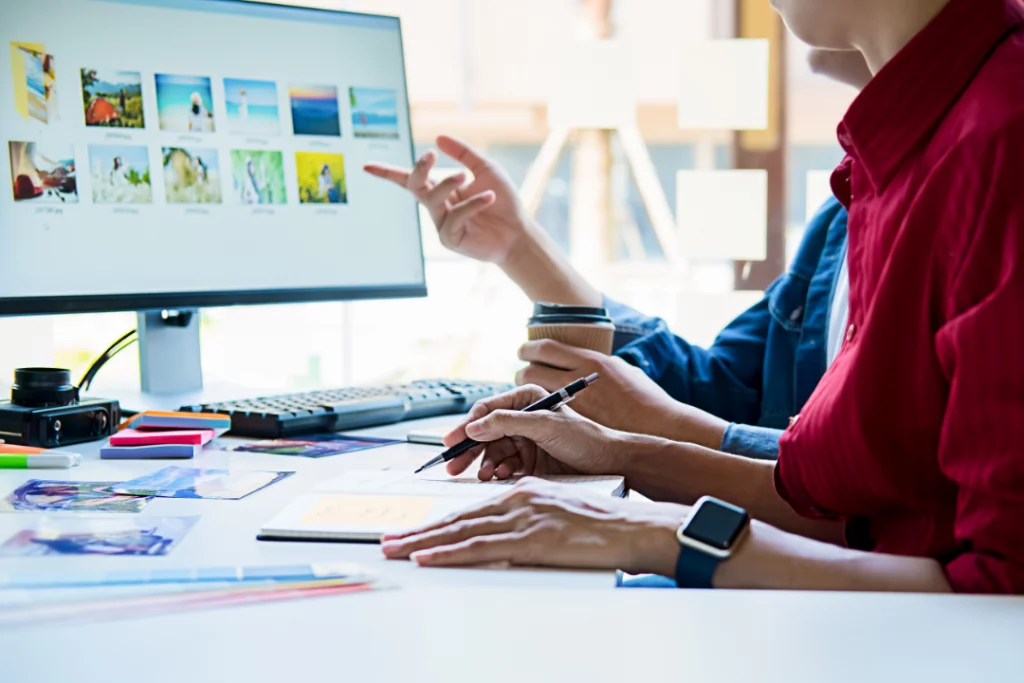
x,y
170,367
169,357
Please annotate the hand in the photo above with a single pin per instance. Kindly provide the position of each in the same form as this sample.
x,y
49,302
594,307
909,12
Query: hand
x,y
544,442
483,220
624,399
543,524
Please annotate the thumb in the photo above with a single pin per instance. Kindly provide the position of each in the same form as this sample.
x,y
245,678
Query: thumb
x,y
458,435
538,427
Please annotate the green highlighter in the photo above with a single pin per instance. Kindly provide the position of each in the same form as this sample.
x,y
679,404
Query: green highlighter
x,y
24,457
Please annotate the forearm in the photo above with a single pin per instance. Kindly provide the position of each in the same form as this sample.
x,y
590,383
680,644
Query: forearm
x,y
768,558
684,423
683,472
538,267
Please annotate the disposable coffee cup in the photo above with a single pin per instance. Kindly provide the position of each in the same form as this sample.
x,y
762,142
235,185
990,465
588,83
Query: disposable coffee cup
x,y
585,327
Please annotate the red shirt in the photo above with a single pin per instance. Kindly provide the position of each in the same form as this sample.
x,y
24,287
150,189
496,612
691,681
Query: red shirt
x,y
915,436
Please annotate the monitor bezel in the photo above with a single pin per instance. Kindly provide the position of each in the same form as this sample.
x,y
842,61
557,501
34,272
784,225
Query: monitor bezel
x,y
155,301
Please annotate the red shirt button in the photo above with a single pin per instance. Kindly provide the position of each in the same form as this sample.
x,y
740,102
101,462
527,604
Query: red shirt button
x,y
850,331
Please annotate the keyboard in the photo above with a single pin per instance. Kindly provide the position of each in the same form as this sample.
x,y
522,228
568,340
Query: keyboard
x,y
335,410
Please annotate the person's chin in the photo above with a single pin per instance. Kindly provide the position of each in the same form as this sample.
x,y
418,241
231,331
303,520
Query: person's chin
x,y
814,36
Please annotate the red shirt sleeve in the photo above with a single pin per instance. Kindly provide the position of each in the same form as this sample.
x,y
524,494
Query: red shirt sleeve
x,y
981,350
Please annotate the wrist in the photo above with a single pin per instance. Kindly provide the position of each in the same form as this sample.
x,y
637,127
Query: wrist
x,y
526,250
653,548
535,263
629,454
522,247
693,425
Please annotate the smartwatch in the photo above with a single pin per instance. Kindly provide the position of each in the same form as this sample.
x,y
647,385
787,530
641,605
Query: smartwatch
x,y
707,537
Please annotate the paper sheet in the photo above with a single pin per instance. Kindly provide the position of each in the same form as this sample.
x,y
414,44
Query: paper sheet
x,y
43,495
723,214
724,84
187,482
819,188
109,535
436,484
369,511
593,86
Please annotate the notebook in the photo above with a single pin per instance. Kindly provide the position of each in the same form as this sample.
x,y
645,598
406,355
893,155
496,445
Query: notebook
x,y
361,506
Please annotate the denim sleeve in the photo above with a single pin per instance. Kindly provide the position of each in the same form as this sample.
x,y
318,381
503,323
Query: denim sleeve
x,y
725,379
631,324
760,443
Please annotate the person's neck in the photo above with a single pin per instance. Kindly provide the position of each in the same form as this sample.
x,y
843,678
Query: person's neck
x,y
891,26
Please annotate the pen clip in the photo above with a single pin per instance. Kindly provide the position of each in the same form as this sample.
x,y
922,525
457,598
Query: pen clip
x,y
566,398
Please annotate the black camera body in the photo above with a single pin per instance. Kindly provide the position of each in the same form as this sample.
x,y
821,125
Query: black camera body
x,y
45,411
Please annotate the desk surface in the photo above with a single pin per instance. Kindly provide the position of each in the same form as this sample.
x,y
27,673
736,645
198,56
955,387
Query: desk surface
x,y
488,625
226,532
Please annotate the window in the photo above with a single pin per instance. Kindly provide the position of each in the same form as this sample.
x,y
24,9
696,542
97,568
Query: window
x,y
483,71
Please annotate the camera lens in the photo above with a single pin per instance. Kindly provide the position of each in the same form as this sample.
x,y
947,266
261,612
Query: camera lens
x,y
43,388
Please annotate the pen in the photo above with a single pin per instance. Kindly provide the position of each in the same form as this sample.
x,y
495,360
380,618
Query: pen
x,y
45,460
550,402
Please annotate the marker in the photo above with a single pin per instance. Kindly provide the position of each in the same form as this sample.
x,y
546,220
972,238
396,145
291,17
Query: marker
x,y
552,401
53,460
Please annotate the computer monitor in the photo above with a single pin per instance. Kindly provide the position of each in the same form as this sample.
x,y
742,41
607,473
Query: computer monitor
x,y
166,155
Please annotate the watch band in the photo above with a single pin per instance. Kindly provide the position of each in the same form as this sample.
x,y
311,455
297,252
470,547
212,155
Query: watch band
x,y
694,569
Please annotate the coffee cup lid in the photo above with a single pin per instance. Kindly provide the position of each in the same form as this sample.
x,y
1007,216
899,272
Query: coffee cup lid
x,y
560,314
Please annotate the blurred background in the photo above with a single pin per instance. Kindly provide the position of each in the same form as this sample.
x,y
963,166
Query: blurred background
x,y
675,148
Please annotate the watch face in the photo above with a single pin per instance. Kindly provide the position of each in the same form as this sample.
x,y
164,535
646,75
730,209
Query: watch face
x,y
716,524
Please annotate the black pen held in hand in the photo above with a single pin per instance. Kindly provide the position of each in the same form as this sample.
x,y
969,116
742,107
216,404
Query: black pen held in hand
x,y
550,402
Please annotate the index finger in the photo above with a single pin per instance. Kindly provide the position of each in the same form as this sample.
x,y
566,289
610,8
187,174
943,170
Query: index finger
x,y
556,354
461,152
399,176
517,399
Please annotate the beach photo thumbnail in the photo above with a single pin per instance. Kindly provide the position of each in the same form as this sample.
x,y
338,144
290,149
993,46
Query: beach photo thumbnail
x,y
120,174
43,172
191,175
252,107
374,112
257,177
315,110
185,104
35,82
112,98
321,178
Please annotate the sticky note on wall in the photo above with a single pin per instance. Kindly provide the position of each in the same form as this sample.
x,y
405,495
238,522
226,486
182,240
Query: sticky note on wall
x,y
592,86
723,214
724,85
819,188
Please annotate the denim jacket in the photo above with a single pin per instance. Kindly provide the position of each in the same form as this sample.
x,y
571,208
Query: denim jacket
x,y
764,365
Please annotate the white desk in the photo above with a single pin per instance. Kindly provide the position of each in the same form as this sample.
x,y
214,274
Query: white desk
x,y
226,533
487,625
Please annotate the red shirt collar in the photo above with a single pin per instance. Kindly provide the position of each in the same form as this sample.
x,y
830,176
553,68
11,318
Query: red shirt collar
x,y
912,92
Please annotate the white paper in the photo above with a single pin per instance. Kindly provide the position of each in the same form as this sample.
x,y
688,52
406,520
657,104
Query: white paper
x,y
819,188
593,86
724,84
723,214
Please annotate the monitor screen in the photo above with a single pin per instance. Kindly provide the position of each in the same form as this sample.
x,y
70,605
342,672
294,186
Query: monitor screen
x,y
180,153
